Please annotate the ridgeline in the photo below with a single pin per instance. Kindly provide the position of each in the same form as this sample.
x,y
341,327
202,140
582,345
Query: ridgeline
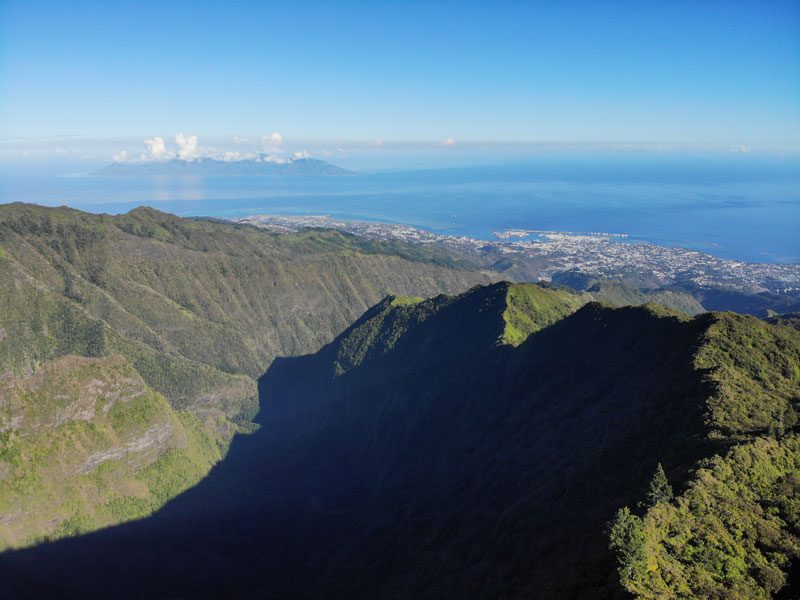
x,y
511,441
173,321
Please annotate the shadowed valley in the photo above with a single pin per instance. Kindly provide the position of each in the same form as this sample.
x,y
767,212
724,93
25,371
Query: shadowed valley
x,y
481,445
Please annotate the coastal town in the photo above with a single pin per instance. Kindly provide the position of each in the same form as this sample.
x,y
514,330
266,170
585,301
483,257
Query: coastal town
x,y
596,254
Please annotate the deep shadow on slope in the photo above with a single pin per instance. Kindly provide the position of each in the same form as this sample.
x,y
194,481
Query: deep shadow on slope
x,y
448,466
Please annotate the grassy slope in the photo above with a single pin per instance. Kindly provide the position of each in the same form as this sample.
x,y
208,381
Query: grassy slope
x,y
620,294
531,308
85,443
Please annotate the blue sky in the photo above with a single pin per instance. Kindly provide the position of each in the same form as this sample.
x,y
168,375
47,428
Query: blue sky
x,y
108,75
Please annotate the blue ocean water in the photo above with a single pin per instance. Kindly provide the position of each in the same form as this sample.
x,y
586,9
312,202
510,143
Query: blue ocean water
x,y
737,207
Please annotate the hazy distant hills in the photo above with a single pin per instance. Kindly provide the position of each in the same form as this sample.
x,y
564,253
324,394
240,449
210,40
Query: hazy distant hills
x,y
307,167
479,446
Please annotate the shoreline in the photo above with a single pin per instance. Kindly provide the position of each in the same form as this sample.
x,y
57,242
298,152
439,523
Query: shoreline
x,y
600,255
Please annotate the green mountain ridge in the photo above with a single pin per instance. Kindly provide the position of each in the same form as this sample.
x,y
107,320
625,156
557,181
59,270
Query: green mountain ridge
x,y
731,533
424,453
477,444
198,309
526,308
731,442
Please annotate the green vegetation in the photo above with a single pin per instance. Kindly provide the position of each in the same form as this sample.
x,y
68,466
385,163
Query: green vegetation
x,y
196,310
626,536
622,294
524,307
82,440
379,329
735,529
507,441
730,535
531,307
405,300
130,345
724,391
630,289
754,369
201,308
660,489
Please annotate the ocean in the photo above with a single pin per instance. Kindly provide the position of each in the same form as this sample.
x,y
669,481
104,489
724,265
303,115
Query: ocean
x,y
738,207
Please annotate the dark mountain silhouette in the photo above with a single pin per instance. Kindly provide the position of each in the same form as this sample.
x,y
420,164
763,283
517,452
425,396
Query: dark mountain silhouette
x,y
421,454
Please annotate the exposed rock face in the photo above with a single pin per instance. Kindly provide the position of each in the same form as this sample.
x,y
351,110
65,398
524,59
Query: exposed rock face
x,y
153,440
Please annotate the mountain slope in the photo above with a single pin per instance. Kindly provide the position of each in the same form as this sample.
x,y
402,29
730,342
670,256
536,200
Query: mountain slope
x,y
220,297
198,309
423,453
85,443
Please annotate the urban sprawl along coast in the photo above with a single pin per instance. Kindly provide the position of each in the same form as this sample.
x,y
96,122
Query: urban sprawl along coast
x,y
596,254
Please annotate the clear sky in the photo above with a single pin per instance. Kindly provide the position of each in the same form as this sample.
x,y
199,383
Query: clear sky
x,y
725,74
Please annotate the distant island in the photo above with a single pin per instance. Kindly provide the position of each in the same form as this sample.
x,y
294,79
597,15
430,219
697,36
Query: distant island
x,y
259,166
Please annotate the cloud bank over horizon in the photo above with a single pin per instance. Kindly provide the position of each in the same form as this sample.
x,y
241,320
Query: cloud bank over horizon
x,y
76,154
187,147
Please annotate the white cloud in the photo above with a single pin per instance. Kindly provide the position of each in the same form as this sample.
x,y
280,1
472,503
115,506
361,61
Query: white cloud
x,y
62,152
232,156
275,159
272,143
448,142
741,148
187,146
378,142
156,148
